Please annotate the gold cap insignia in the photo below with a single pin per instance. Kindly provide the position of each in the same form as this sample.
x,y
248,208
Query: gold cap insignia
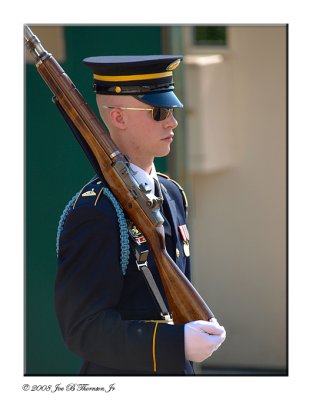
x,y
173,65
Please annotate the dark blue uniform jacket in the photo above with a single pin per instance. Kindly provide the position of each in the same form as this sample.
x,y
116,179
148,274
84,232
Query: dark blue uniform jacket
x,y
103,313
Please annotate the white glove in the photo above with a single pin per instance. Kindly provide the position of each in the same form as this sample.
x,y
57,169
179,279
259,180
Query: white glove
x,y
202,338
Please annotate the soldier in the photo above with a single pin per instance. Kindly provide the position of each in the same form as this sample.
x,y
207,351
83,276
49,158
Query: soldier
x,y
108,313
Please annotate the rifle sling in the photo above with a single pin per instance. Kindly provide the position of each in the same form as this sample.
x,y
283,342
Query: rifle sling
x,y
141,261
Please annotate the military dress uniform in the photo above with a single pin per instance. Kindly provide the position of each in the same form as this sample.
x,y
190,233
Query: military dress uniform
x,y
104,314
106,311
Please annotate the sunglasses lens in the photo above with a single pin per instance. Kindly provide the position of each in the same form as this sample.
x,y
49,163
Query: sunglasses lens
x,y
160,113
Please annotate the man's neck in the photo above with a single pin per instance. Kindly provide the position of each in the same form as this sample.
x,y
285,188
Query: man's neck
x,y
145,164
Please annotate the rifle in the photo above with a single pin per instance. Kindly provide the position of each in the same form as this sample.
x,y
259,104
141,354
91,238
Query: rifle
x,y
140,204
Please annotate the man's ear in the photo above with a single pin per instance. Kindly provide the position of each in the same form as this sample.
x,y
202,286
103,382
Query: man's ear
x,y
117,118
113,117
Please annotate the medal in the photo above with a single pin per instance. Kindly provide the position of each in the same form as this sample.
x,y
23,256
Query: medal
x,y
135,234
186,239
186,248
184,233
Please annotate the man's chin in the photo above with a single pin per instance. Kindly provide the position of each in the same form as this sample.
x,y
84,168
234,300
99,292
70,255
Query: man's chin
x,y
163,152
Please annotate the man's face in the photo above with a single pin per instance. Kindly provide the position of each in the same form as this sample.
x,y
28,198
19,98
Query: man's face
x,y
146,135
140,133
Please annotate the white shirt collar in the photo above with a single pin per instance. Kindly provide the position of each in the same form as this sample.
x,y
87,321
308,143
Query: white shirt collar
x,y
143,177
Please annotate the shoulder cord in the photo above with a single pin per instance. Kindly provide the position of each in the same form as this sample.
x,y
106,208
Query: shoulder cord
x,y
123,228
62,222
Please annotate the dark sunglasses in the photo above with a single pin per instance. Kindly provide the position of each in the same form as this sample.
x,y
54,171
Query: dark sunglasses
x,y
158,113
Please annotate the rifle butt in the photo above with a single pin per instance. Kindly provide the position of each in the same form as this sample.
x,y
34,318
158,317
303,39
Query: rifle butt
x,y
185,302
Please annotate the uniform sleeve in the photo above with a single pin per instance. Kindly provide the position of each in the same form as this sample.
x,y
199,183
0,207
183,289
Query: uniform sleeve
x,y
88,288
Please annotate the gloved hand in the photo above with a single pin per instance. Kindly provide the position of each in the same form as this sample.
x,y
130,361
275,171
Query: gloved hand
x,y
202,338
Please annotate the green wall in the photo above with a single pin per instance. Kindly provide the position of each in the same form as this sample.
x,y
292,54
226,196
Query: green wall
x,y
56,169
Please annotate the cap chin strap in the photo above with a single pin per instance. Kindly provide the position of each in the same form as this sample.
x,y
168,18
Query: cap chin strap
x,y
132,90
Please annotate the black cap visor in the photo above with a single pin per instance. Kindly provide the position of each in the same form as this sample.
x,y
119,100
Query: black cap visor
x,y
161,99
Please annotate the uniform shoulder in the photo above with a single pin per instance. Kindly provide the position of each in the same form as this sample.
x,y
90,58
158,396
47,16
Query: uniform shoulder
x,y
96,197
90,193
168,179
86,197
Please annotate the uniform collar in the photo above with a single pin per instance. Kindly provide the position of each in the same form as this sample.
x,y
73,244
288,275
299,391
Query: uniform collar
x,y
143,177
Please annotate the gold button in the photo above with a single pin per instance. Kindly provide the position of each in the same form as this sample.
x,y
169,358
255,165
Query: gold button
x,y
177,252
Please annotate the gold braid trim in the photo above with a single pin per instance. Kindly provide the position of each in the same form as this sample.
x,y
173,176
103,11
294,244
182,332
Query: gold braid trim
x,y
154,347
178,185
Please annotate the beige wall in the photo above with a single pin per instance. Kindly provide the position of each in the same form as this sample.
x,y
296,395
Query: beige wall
x,y
238,207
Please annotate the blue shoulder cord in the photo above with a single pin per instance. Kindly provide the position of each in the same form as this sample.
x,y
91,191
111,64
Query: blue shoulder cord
x,y
123,227
123,231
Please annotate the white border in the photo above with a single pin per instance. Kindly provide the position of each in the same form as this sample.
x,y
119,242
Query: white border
x,y
298,16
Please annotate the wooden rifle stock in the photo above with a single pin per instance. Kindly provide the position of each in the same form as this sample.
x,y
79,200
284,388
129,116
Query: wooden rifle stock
x,y
184,301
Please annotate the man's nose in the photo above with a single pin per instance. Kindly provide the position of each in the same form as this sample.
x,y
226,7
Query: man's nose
x,y
170,121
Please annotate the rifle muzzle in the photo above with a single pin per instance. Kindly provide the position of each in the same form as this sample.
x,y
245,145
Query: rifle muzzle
x,y
34,45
